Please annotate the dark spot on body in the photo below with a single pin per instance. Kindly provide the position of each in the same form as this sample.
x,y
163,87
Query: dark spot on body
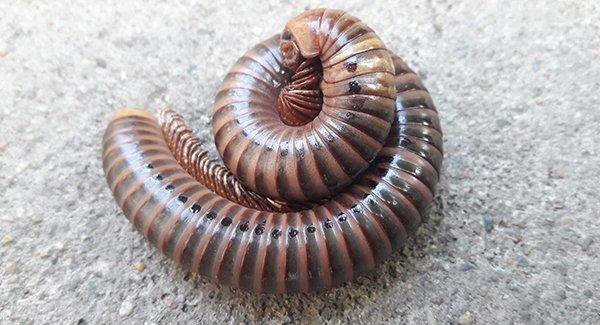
x,y
350,115
159,177
293,232
311,229
169,187
405,141
276,233
259,230
226,221
354,87
244,226
351,66
284,152
328,224
182,198
196,208
211,215
150,166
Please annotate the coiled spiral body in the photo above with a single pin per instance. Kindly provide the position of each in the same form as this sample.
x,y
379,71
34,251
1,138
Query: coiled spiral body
x,y
319,198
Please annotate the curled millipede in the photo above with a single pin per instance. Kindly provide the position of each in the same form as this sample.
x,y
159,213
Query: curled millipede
x,y
332,149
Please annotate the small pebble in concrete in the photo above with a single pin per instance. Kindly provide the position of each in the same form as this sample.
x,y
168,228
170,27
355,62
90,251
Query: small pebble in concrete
x,y
466,319
437,300
585,243
561,295
502,123
45,253
466,266
59,246
139,266
588,293
522,261
126,308
7,240
101,63
488,224
430,318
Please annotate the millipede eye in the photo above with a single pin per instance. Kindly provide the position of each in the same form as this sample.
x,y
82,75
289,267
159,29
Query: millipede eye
x,y
286,36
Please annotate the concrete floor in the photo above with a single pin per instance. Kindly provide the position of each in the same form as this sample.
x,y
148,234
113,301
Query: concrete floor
x,y
514,233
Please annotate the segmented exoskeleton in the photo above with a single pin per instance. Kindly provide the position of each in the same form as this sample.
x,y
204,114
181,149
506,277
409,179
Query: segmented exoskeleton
x,y
332,148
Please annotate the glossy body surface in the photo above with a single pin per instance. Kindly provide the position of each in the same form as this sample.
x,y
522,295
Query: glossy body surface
x,y
308,250
316,160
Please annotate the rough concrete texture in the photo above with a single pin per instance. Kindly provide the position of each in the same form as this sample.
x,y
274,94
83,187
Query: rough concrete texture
x,y
513,234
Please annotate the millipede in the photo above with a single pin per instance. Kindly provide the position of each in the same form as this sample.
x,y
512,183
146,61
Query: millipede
x,y
331,151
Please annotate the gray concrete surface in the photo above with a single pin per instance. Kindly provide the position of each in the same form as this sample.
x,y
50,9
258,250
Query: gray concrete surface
x,y
512,239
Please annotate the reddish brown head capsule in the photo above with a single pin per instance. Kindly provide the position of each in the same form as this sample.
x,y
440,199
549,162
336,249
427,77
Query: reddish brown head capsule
x,y
322,122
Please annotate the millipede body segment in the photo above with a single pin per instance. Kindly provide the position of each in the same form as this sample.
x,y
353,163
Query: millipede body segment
x,y
332,150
